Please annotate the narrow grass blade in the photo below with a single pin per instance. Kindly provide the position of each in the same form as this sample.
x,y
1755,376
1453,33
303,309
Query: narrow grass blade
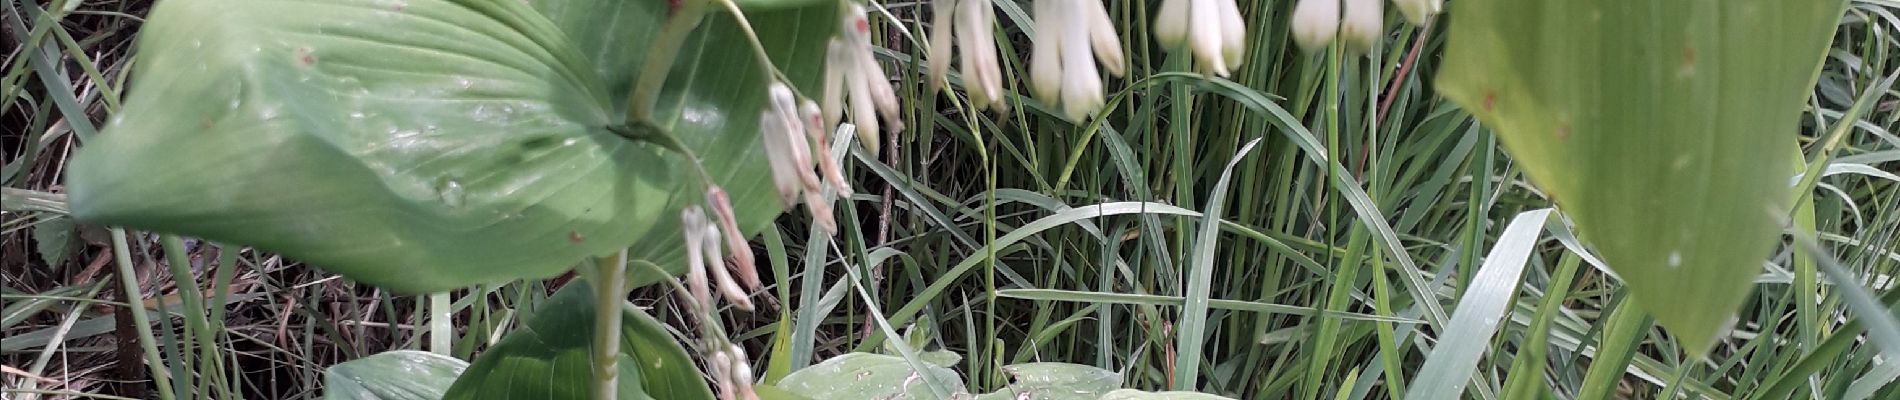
x,y
1200,276
1177,301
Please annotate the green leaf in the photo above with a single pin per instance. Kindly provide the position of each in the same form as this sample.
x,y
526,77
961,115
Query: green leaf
x,y
392,375
1657,126
711,100
864,376
424,145
53,238
1131,394
769,392
549,357
417,145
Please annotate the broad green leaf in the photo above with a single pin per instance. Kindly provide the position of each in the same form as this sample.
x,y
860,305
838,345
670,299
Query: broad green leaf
x,y
393,375
864,376
417,145
424,145
712,98
549,357
1131,394
1057,381
1656,126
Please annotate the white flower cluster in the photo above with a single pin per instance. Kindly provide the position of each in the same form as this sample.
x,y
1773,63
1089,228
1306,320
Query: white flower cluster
x,y
728,365
796,140
1212,30
1316,22
851,68
1071,36
731,373
703,255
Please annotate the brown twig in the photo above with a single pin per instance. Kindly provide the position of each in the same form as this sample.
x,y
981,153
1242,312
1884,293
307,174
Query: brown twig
x,y
1392,90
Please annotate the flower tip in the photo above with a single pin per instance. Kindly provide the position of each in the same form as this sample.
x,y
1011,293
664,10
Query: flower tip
x,y
1171,24
1416,11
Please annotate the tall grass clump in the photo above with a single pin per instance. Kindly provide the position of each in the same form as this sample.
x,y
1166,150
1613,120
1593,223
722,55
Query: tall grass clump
x,y
1323,220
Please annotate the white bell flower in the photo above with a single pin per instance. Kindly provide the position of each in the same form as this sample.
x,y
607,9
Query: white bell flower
x,y
1363,25
1315,22
1071,36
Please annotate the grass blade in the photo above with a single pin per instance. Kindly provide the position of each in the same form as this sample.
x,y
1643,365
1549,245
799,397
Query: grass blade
x,y
1448,369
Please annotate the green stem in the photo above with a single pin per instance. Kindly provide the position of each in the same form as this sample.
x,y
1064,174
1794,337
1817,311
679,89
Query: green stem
x,y
440,327
659,62
197,327
122,256
609,292
1623,332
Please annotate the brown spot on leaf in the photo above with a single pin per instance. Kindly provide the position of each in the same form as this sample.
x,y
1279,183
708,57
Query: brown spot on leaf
x,y
1490,99
575,236
1563,131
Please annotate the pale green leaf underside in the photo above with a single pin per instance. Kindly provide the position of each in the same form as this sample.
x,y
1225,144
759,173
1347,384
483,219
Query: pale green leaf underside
x,y
879,376
1056,381
864,376
394,375
1655,126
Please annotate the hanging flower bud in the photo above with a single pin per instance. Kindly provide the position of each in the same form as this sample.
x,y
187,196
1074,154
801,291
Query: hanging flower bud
x,y
1204,36
1071,36
1045,67
821,144
1081,84
1102,38
1415,11
1363,25
742,259
941,14
785,149
1171,24
1211,30
835,71
815,202
722,279
693,227
983,78
970,21
1315,22
1233,34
